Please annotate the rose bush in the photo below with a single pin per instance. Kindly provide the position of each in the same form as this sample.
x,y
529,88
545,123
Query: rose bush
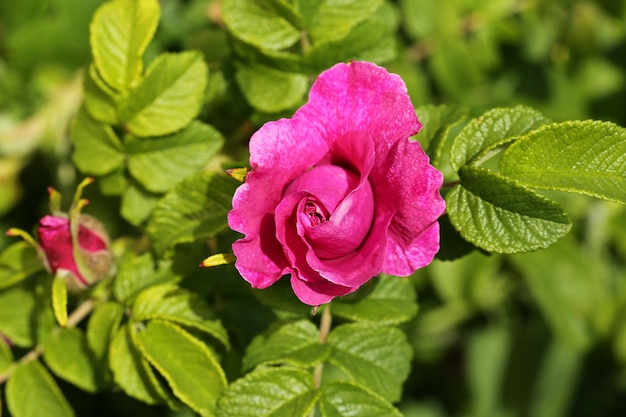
x,y
338,193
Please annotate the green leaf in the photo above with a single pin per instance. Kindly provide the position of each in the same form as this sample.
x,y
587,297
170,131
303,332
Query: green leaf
x,y
113,183
17,307
131,371
100,99
387,300
492,129
136,273
296,343
329,20
103,324
97,150
18,262
377,357
137,203
160,163
270,90
120,32
6,356
67,355
586,157
258,24
189,366
344,399
59,299
436,124
31,392
499,215
194,209
170,302
168,97
269,392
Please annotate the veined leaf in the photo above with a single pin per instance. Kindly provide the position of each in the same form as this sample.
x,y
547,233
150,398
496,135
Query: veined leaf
x,y
269,392
31,392
138,203
18,262
136,273
494,128
189,366
437,122
100,99
168,97
66,353
103,324
391,301
6,356
194,209
499,215
586,157
377,357
160,163
295,343
59,299
345,399
120,32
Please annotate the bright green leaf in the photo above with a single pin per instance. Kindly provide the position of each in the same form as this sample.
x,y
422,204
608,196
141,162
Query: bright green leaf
x,y
391,300
194,209
170,302
131,371
17,306
59,299
499,215
296,343
493,128
189,366
6,356
103,324
120,32
377,357
67,355
160,163
18,262
168,97
258,24
31,392
587,157
269,392
100,100
136,273
97,150
343,399
137,203
270,90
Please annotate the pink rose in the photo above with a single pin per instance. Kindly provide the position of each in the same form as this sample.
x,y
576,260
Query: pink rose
x,y
56,242
338,193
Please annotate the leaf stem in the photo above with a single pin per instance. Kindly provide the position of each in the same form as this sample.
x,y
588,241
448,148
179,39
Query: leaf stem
x,y
76,317
325,324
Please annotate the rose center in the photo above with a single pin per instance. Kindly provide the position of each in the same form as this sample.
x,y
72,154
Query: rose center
x,y
317,214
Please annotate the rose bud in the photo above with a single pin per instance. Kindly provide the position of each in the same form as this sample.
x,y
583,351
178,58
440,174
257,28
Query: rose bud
x,y
56,242
338,193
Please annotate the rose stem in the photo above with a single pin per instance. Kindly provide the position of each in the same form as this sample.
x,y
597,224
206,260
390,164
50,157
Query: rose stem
x,y
325,323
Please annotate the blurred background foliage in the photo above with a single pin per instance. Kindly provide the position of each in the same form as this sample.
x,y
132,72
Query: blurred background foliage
x,y
541,334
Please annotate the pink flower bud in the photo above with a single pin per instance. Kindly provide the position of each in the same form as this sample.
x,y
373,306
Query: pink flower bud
x,y
56,241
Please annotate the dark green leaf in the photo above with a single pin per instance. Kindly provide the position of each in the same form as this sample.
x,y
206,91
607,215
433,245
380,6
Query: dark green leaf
x,y
436,124
270,90
136,273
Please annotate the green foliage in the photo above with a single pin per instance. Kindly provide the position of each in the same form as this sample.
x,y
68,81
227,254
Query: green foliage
x,y
18,262
341,399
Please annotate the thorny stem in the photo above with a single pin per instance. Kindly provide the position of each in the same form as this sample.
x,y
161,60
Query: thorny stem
x,y
76,317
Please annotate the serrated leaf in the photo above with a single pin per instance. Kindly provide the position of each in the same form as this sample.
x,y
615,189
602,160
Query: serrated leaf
x,y
136,273
189,366
343,399
258,24
436,124
331,20
67,355
499,215
168,97
100,99
295,343
160,163
119,34
137,203
17,262
493,128
269,392
586,157
270,90
31,392
59,299
97,150
6,356
377,357
131,371
170,302
103,324
194,209
387,300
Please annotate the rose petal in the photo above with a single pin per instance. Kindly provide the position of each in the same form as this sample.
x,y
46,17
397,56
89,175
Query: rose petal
x,y
319,292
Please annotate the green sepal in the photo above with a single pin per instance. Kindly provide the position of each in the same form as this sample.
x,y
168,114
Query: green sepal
x,y
59,299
